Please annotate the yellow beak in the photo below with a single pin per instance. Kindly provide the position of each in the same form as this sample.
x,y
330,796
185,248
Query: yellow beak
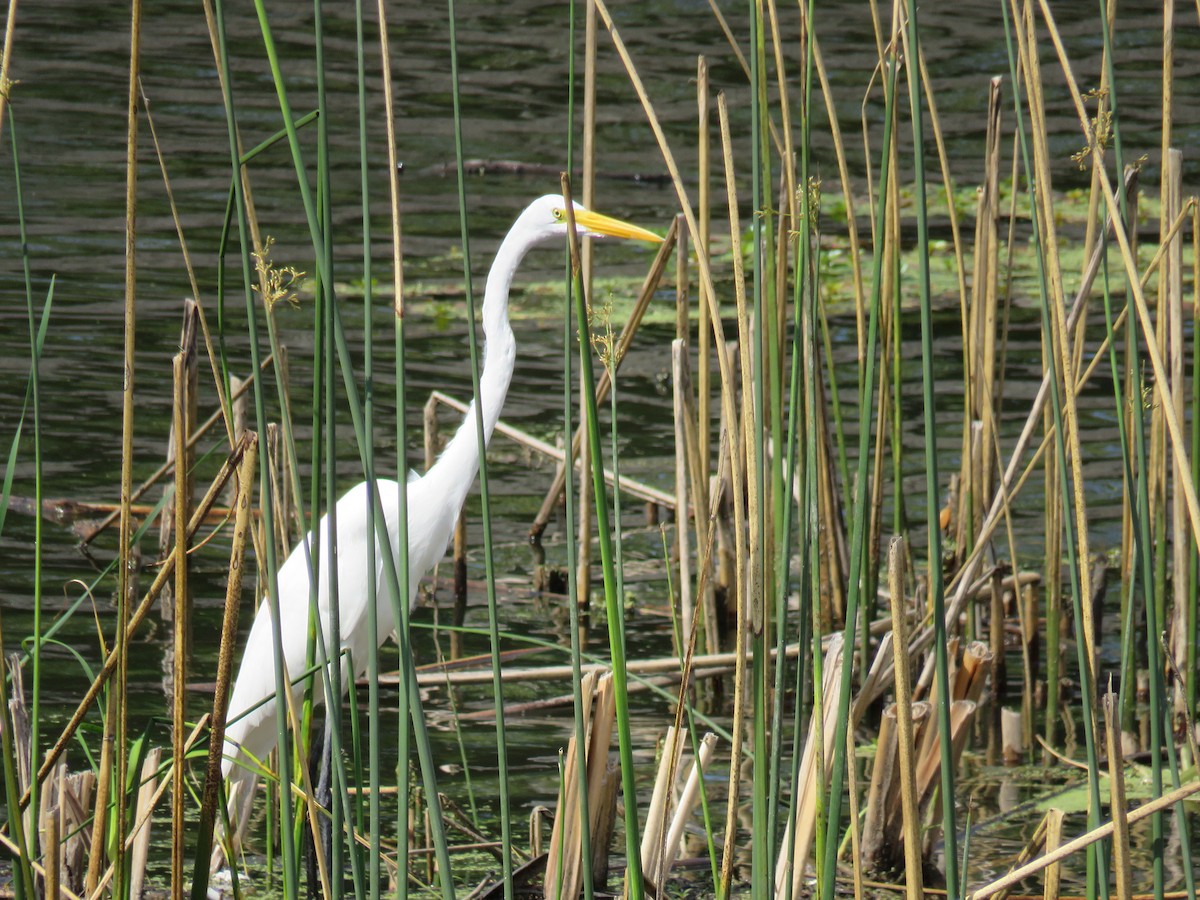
x,y
598,224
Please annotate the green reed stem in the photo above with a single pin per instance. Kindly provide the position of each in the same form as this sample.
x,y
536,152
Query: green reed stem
x,y
803,289
23,880
835,405
761,850
33,400
1137,484
1097,858
1145,549
290,885
408,704
1181,594
1126,696
119,707
398,584
585,832
400,611
783,556
614,608
810,638
35,403
932,488
280,135
783,552
339,793
573,592
374,756
801,379
827,867
485,494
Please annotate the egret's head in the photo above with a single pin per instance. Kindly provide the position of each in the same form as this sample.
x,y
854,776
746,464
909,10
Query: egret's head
x,y
546,219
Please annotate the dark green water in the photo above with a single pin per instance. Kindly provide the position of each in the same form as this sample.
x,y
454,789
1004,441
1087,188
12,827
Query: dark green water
x,y
69,116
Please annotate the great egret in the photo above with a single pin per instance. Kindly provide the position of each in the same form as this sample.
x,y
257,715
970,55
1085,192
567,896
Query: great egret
x,y
434,502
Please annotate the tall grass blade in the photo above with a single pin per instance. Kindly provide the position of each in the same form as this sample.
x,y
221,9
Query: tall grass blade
x,y
932,488
576,597
614,608
374,728
266,504
827,866
24,881
489,562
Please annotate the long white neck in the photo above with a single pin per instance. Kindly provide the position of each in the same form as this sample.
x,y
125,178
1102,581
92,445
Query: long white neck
x,y
455,470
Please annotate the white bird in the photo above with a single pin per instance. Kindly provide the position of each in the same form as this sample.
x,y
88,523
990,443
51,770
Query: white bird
x,y
434,502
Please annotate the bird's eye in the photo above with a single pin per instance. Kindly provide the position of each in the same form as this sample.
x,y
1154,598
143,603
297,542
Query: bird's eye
x,y
558,214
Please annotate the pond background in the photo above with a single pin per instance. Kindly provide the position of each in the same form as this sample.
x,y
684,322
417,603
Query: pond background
x,y
68,113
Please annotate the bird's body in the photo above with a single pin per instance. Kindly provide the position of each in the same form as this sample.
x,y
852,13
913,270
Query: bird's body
x,y
434,502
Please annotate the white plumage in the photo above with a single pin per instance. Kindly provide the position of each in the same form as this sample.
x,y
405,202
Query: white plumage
x,y
434,502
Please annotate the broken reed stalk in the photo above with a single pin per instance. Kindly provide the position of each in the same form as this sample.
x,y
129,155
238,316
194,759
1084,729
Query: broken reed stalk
x,y
1012,736
983,317
584,450
701,243
640,667
671,809
1171,304
141,835
692,468
211,792
66,809
184,394
904,736
686,804
662,801
680,384
23,751
187,348
883,822
1117,805
564,864
798,836
1052,840
52,839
